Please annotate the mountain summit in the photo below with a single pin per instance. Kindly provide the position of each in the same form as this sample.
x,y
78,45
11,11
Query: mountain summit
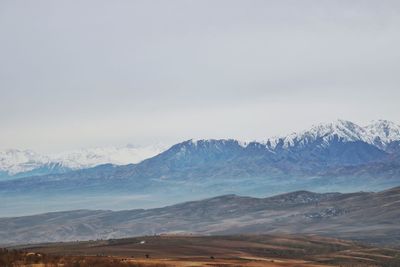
x,y
378,133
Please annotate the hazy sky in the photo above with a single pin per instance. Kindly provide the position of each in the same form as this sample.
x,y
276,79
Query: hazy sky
x,y
92,73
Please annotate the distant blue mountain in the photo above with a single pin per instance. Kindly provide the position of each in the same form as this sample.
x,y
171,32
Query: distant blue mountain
x,y
43,169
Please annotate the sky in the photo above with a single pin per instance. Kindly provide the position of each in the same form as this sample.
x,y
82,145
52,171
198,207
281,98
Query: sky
x,y
84,73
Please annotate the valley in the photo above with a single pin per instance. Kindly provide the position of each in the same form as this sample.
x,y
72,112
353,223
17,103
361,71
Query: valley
x,y
226,250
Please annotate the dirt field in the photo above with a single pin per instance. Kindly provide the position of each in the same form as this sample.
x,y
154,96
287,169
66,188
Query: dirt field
x,y
243,250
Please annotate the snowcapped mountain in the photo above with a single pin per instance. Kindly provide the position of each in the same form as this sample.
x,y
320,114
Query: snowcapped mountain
x,y
86,158
378,133
15,161
383,132
332,145
343,130
19,163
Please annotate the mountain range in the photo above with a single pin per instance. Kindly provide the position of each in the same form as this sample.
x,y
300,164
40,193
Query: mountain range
x,y
15,163
363,216
19,163
339,156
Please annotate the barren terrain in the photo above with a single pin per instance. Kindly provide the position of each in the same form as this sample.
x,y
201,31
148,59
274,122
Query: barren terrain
x,y
238,250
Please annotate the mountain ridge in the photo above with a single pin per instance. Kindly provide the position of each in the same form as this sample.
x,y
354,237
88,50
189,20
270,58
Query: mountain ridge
x,y
196,169
20,163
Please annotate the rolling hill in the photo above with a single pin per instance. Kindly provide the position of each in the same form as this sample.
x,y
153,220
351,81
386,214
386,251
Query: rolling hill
x,y
364,216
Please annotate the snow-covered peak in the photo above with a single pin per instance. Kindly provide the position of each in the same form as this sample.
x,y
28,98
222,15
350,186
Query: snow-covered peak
x,y
15,161
346,131
383,132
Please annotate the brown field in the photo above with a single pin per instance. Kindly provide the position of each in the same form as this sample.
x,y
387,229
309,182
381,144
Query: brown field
x,y
227,251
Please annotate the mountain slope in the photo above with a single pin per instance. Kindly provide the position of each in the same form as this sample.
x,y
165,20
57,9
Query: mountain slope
x,y
370,217
383,133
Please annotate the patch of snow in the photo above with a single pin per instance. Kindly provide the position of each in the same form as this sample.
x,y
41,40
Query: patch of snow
x,y
243,144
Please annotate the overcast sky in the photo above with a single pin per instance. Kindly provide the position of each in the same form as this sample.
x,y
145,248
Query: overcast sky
x,y
92,73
